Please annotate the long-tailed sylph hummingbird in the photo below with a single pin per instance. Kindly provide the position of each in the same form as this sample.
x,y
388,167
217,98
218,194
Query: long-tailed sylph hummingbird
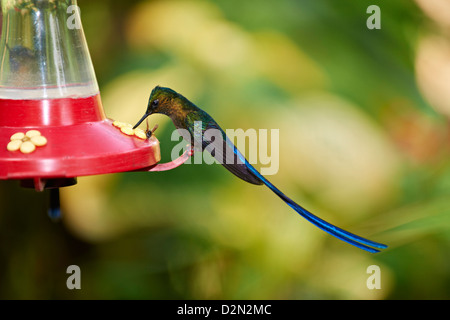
x,y
185,115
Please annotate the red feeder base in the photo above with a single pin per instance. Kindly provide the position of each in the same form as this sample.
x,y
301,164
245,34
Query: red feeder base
x,y
80,141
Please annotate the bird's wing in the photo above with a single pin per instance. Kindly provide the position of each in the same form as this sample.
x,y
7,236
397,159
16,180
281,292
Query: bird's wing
x,y
208,134
220,146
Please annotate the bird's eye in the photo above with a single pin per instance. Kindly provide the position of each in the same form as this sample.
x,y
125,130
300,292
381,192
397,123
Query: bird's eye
x,y
155,103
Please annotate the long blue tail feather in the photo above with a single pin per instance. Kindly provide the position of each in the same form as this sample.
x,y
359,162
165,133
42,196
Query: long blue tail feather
x,y
337,232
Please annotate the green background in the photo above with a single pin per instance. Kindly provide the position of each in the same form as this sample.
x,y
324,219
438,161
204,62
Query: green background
x,y
363,122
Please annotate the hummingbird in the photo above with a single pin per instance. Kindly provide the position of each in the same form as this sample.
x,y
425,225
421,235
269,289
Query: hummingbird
x,y
186,116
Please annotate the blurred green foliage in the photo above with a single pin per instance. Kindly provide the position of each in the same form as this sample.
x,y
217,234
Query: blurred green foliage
x,y
360,145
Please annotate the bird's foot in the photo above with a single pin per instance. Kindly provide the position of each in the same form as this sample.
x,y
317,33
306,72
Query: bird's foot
x,y
190,150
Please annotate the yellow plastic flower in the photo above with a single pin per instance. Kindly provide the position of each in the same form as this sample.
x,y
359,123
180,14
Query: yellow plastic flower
x,y
26,142
127,129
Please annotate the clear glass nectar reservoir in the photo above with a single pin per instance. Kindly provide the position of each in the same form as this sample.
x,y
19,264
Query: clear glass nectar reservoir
x,y
43,51
48,86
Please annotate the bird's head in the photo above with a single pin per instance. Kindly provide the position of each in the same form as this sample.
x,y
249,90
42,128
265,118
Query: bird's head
x,y
162,100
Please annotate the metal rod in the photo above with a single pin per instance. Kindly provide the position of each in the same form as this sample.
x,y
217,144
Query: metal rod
x,y
54,208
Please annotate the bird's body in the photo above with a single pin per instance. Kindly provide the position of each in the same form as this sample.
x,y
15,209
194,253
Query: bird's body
x,y
187,116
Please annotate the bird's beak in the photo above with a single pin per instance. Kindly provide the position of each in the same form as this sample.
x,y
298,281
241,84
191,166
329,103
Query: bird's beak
x,y
142,119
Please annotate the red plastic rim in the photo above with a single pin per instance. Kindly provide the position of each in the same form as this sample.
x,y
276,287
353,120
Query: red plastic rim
x,y
80,140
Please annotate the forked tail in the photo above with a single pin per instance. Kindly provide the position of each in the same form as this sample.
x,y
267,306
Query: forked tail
x,y
339,233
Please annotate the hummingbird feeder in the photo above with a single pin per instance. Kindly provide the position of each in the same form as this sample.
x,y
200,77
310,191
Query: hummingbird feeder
x,y
52,124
